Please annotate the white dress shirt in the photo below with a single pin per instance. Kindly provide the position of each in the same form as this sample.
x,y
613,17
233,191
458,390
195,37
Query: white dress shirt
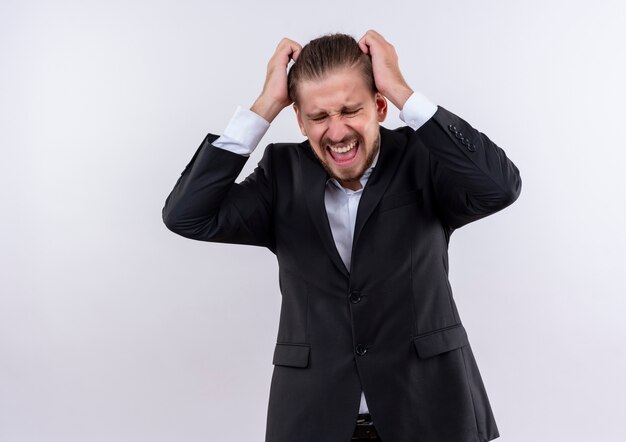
x,y
244,132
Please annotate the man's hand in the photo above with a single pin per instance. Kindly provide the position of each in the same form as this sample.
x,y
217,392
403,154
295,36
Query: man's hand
x,y
274,97
387,76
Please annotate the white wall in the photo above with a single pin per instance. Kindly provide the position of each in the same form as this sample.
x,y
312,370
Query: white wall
x,y
112,328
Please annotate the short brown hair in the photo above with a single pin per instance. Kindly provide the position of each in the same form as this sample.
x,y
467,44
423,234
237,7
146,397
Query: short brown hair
x,y
325,54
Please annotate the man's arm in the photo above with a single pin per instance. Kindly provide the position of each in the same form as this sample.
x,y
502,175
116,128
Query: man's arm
x,y
471,175
206,204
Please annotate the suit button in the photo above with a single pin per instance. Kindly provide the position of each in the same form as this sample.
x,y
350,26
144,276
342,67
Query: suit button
x,y
466,142
459,135
471,147
355,297
360,349
452,127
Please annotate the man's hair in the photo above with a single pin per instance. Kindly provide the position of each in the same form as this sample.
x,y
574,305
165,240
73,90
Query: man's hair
x,y
326,54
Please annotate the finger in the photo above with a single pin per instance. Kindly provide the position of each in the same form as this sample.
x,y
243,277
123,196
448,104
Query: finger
x,y
295,51
289,48
284,42
363,45
284,53
374,34
366,42
372,41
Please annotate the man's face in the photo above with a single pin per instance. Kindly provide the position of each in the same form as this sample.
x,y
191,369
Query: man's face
x,y
340,115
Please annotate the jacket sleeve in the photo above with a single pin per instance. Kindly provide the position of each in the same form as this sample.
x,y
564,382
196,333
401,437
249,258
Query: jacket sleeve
x,y
471,176
207,205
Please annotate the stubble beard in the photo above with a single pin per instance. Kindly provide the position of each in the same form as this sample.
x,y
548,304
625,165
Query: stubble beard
x,y
357,176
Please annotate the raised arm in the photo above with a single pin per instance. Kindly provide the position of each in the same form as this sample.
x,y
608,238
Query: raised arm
x,y
472,177
206,204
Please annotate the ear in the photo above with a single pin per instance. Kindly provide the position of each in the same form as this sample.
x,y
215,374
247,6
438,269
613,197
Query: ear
x,y
299,118
381,107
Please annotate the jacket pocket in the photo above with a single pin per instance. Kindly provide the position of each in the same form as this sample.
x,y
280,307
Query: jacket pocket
x,y
292,355
440,341
396,200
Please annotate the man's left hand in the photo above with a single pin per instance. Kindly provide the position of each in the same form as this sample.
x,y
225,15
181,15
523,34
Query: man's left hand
x,y
387,76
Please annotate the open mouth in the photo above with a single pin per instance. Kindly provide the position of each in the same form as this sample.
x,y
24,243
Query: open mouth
x,y
343,154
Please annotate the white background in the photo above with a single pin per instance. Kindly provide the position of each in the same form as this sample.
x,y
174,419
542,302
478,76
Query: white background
x,y
112,328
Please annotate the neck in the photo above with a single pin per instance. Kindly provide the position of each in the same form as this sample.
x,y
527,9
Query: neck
x,y
352,184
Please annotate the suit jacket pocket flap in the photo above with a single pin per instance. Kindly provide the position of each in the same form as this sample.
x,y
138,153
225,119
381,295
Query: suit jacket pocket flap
x,y
292,355
401,199
440,341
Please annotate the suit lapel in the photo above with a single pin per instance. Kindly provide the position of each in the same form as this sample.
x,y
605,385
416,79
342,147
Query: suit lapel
x,y
391,149
314,180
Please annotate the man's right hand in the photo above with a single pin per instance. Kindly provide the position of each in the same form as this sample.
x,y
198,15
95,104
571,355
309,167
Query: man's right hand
x,y
274,97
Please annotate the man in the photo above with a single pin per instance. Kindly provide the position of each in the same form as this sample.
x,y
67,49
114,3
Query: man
x,y
359,218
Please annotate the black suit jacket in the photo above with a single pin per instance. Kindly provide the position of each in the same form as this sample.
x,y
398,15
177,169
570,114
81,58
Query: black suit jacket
x,y
389,324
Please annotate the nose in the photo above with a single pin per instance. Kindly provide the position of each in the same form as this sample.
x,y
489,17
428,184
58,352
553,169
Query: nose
x,y
337,131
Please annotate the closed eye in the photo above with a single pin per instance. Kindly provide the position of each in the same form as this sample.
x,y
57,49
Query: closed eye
x,y
351,113
345,112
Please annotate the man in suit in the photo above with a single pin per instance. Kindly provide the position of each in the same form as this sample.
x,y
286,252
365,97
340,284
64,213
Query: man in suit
x,y
370,344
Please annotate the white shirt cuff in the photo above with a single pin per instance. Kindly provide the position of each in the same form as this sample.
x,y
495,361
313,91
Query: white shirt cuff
x,y
243,133
417,110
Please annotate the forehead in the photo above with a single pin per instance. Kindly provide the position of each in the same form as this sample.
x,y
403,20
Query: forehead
x,y
335,90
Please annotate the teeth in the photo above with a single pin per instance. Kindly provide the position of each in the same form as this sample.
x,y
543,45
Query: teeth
x,y
343,149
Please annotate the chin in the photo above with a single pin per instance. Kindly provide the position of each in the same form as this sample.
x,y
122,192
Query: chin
x,y
349,177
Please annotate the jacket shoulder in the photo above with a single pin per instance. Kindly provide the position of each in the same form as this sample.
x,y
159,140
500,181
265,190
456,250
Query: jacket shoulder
x,y
289,152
